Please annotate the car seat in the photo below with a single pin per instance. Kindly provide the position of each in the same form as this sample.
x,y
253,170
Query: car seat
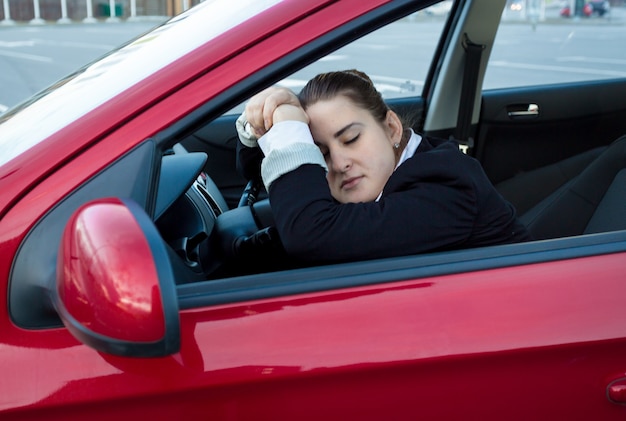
x,y
594,201
527,189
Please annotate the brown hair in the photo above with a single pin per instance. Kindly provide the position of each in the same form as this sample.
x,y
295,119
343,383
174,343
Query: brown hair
x,y
353,84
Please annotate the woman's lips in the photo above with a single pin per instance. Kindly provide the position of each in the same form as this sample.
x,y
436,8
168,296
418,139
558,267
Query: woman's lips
x,y
350,182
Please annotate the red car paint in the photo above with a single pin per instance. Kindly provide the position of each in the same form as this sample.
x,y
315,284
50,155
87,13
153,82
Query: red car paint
x,y
475,344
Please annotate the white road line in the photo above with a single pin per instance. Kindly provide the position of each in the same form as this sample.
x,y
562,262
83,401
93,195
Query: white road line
x,y
26,56
397,80
334,57
592,60
558,68
292,83
74,44
13,44
383,83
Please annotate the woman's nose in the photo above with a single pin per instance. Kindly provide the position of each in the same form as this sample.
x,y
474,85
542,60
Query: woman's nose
x,y
340,161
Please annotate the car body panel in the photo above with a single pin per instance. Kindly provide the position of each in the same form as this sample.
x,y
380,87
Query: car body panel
x,y
283,347
541,335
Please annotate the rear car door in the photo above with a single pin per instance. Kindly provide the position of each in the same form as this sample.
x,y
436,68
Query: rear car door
x,y
550,93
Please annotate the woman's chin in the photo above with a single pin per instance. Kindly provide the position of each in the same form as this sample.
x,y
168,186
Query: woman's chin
x,y
355,196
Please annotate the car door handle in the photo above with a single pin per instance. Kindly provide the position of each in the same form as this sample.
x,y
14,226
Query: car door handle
x,y
616,391
523,111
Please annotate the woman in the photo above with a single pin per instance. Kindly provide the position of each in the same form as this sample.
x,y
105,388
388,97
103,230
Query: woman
x,y
348,182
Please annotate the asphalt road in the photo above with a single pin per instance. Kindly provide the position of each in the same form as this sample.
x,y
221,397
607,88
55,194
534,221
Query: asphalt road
x,y
557,50
33,57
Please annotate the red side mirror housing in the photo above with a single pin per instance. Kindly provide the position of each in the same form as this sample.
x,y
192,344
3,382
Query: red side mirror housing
x,y
115,289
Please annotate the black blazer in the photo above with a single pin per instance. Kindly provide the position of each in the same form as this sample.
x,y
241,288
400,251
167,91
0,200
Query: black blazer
x,y
439,199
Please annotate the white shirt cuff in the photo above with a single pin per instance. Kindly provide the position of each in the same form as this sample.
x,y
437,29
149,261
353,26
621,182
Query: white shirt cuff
x,y
284,134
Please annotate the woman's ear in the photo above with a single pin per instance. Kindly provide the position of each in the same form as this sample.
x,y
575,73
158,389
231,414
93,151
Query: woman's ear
x,y
394,127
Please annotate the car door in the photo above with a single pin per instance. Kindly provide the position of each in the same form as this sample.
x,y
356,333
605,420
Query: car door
x,y
549,94
522,331
396,338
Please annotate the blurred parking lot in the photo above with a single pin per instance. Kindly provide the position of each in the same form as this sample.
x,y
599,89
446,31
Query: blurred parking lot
x,y
34,55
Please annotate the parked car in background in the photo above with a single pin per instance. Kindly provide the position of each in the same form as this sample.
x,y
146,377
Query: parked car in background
x,y
600,7
128,280
516,5
591,8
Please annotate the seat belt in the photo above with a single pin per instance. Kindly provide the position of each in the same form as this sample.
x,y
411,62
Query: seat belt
x,y
468,92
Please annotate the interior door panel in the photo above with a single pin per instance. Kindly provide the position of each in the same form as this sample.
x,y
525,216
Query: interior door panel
x,y
566,120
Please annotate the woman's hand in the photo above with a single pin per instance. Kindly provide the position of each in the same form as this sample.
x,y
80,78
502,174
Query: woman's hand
x,y
289,112
262,111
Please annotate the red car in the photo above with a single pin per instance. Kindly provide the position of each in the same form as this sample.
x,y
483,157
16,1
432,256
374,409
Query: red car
x,y
126,293
587,10
598,7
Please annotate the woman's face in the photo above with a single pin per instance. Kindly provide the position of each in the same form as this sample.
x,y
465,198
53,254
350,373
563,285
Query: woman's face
x,y
358,149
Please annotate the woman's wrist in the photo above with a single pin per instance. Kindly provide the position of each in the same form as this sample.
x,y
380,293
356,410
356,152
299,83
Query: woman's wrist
x,y
283,134
289,112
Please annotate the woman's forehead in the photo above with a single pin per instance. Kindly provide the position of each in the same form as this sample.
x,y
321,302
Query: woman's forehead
x,y
332,115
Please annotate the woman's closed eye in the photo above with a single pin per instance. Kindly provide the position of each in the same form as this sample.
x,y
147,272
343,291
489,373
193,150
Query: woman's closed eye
x,y
326,150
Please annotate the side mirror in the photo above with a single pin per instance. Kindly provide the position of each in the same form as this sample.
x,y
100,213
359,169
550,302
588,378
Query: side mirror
x,y
115,289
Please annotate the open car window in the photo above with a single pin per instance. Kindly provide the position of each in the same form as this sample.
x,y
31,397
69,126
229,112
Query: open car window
x,y
537,45
411,42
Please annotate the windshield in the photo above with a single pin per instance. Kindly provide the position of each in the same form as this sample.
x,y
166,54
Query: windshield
x,y
78,94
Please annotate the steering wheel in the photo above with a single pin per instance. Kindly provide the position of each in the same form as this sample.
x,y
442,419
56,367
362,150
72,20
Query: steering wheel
x,y
203,235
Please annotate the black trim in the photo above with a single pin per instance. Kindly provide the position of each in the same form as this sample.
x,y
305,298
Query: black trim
x,y
473,52
178,172
357,274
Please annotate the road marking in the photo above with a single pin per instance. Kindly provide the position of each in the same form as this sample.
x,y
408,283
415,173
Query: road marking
x,y
377,46
558,68
397,80
74,44
382,83
3,108
292,83
333,57
13,44
26,56
593,60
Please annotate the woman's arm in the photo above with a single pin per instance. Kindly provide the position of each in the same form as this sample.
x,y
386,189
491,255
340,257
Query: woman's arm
x,y
434,213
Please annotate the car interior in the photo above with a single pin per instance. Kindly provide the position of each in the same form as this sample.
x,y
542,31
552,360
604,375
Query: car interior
x,y
550,150
556,152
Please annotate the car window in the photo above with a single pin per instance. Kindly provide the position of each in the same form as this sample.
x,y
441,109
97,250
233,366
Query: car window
x,y
397,57
538,43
